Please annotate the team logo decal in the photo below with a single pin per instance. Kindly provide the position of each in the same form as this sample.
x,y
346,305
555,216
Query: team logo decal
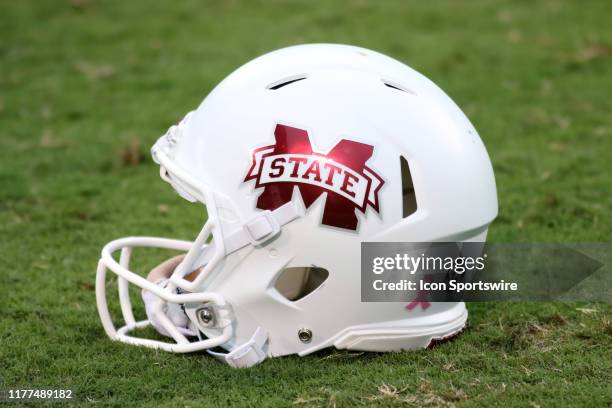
x,y
342,174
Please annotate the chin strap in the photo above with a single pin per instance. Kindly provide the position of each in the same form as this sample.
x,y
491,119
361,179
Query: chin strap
x,y
248,354
257,230
262,227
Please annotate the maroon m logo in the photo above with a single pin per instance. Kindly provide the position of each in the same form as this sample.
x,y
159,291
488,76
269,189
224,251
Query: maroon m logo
x,y
342,174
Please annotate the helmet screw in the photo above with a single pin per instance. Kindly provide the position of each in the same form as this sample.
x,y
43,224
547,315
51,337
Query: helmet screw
x,y
205,316
305,335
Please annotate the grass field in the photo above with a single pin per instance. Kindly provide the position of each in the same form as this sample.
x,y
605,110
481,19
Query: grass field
x,y
86,87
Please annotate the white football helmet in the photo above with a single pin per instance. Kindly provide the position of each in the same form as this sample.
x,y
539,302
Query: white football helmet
x,y
299,156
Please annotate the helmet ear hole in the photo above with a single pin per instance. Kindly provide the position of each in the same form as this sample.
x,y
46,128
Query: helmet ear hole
x,y
297,282
409,203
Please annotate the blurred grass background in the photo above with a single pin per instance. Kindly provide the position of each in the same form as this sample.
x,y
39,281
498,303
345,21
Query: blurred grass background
x,y
87,86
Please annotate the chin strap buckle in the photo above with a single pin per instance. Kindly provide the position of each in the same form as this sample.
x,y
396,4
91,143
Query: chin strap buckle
x,y
248,354
261,228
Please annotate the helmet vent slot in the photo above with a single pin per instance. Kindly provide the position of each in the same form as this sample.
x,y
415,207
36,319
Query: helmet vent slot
x,y
286,81
397,87
297,282
409,203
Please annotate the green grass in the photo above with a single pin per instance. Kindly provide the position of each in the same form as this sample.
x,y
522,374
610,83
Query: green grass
x,y
82,81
